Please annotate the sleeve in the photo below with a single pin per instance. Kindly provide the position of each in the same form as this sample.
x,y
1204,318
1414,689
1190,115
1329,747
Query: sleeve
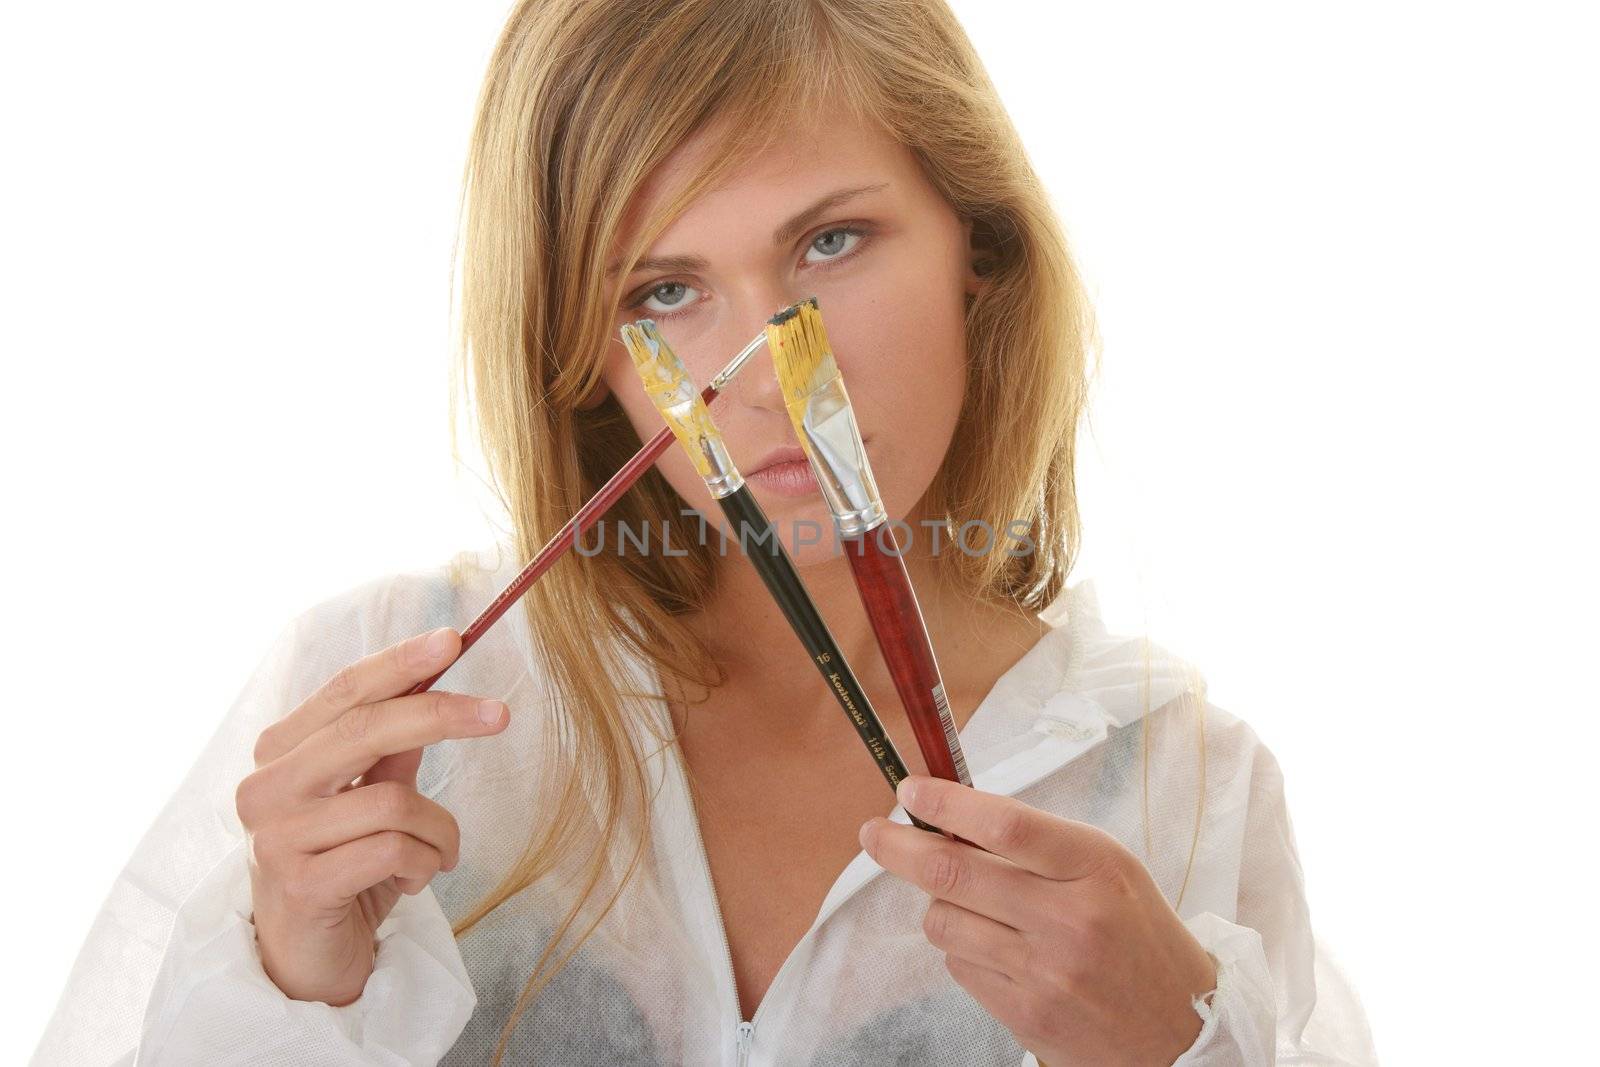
x,y
170,973
1280,997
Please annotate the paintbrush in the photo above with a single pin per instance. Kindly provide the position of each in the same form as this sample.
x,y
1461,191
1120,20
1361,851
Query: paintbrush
x,y
671,389
820,410
586,517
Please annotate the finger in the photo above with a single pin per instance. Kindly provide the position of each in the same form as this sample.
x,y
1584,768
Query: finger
x,y
975,938
1003,997
399,767
385,673
1034,840
967,876
326,824
356,740
989,987
342,873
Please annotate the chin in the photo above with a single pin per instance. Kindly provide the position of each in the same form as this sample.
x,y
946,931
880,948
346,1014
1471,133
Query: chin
x,y
805,527
814,555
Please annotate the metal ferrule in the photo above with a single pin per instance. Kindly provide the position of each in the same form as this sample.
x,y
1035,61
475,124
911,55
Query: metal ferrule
x,y
674,394
833,443
720,380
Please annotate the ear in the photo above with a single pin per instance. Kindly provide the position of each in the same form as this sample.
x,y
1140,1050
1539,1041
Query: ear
x,y
980,259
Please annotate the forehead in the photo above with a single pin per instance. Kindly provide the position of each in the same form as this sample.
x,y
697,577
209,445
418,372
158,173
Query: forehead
x,y
813,155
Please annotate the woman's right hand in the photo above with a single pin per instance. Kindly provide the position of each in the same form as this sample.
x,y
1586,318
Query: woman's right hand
x,y
330,857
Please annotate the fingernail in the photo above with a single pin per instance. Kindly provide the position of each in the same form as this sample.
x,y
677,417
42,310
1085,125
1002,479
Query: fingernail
x,y
906,792
436,642
864,833
489,711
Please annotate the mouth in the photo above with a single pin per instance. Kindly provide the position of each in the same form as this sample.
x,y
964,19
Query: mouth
x,y
788,478
787,472
779,457
784,472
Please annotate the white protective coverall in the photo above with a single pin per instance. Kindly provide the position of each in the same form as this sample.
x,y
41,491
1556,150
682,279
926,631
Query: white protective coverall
x,y
170,973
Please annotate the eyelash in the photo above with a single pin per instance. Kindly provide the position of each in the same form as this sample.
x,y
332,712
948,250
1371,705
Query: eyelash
x,y
640,296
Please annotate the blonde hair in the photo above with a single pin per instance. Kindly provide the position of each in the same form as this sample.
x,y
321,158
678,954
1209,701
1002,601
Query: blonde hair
x,y
581,101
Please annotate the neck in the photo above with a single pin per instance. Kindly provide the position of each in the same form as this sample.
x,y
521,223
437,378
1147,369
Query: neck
x,y
768,674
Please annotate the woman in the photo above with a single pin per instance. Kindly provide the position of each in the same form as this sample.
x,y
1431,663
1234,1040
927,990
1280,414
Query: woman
x,y
673,849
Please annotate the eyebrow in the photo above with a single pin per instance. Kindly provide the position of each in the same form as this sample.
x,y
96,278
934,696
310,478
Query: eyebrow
x,y
780,237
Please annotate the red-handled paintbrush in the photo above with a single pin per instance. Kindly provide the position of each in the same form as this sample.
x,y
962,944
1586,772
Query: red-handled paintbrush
x,y
586,517
823,419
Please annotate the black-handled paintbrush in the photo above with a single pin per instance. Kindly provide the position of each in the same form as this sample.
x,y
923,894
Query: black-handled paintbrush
x,y
675,396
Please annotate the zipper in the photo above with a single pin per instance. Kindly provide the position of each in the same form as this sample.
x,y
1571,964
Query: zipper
x,y
744,1035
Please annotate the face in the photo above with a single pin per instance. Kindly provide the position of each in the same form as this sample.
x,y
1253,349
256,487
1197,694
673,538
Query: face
x,y
841,212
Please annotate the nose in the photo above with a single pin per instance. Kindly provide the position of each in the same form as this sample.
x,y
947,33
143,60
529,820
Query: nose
x,y
757,384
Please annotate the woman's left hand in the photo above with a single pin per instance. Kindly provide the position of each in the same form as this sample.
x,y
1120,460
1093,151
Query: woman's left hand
x,y
1052,925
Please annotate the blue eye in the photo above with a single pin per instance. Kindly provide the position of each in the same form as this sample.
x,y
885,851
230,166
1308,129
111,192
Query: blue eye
x,y
669,293
833,239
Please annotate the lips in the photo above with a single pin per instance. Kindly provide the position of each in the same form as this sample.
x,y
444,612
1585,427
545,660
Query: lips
x,y
786,454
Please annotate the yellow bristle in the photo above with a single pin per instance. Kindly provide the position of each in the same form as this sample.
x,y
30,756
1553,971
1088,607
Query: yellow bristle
x,y
800,351
663,375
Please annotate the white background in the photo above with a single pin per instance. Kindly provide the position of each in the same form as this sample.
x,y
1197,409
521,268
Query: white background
x,y
1341,453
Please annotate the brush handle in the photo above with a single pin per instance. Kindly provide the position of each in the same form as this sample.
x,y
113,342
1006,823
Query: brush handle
x,y
896,618
783,582
583,519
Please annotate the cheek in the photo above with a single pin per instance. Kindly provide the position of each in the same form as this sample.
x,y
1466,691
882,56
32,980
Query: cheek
x,y
906,371
907,334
